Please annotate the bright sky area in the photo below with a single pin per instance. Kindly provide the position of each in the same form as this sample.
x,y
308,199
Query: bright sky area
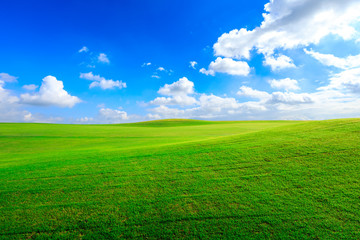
x,y
127,61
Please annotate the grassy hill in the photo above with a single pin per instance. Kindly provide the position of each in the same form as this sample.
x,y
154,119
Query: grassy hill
x,y
181,179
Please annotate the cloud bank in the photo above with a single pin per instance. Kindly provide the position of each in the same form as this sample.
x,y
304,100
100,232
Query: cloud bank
x,y
51,93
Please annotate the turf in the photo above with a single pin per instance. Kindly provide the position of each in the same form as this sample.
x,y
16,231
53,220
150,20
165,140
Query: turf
x,y
180,179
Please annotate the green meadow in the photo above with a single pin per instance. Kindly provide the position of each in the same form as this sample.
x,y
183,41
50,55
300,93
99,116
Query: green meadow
x,y
181,179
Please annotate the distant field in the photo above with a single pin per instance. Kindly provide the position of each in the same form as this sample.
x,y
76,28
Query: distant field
x,y
181,179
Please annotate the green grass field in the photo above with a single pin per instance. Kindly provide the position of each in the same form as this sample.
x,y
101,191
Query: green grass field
x,y
181,179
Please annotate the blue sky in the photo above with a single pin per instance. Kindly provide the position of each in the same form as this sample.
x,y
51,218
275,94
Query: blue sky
x,y
126,61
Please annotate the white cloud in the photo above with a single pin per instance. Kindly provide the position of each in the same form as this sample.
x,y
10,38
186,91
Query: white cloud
x,y
108,84
146,64
161,69
5,95
85,120
90,76
193,64
28,117
155,76
275,97
103,58
227,65
276,105
30,87
279,62
214,104
11,109
331,60
108,115
249,92
181,87
51,93
83,49
207,72
346,80
25,116
101,82
208,107
293,24
290,98
290,24
153,116
166,112
178,93
7,78
286,84
182,100
14,114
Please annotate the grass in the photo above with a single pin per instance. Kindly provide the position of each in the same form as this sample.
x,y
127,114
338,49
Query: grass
x,y
181,179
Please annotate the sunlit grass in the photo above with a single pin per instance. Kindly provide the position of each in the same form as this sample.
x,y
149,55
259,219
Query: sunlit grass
x,y
181,179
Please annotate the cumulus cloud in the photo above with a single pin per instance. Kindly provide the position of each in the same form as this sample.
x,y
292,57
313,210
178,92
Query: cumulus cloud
x,y
215,104
51,93
108,84
290,98
83,49
85,120
181,87
10,108
333,61
210,106
275,97
290,24
275,105
227,65
153,116
146,64
161,69
193,64
252,93
105,116
286,84
178,93
166,112
5,77
5,95
155,76
90,76
279,62
348,79
30,87
287,25
182,100
108,115
103,58
14,114
101,82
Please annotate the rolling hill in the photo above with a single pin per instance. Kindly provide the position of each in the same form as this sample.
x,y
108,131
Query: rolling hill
x,y
176,178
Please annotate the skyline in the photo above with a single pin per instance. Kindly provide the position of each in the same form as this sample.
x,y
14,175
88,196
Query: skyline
x,y
120,61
